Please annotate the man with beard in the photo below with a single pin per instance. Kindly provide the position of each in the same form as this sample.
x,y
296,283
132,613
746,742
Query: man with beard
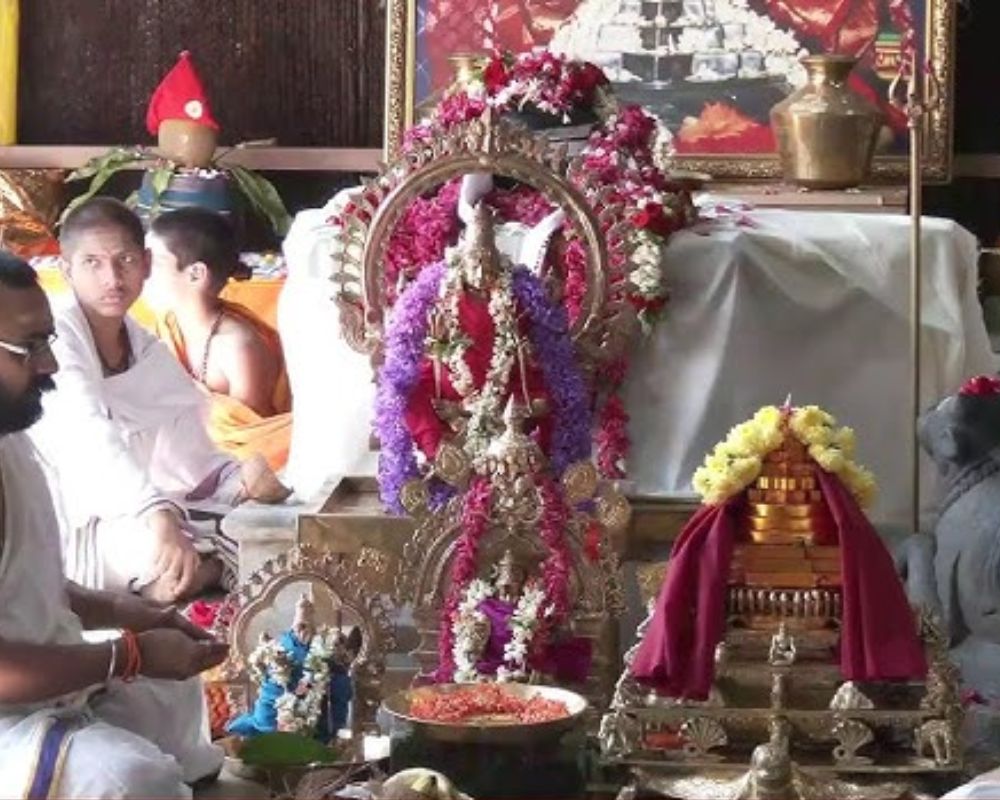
x,y
74,722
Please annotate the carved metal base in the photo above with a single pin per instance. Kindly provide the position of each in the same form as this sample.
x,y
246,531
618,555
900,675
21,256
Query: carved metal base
x,y
774,781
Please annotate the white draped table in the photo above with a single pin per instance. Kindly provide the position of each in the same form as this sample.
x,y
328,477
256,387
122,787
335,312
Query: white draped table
x,y
812,304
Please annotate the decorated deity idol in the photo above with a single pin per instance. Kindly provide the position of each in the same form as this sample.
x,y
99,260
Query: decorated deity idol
x,y
303,679
495,626
465,337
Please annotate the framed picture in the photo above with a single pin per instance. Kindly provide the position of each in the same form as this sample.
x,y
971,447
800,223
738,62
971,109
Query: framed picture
x,y
710,69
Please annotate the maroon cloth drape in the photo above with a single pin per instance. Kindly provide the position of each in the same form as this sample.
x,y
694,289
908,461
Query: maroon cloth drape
x,y
676,656
878,635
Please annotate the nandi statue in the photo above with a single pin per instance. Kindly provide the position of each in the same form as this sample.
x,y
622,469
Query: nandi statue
x,y
957,571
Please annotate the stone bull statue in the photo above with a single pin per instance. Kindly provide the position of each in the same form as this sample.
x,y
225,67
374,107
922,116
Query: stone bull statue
x,y
957,571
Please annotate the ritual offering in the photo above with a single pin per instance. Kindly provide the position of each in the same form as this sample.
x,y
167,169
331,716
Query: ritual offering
x,y
804,672
184,170
492,740
303,681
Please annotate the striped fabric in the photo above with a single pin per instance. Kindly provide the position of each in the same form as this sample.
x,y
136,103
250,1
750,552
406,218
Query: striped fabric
x,y
52,748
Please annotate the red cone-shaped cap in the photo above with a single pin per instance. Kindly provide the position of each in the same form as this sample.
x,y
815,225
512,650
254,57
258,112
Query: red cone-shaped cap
x,y
180,95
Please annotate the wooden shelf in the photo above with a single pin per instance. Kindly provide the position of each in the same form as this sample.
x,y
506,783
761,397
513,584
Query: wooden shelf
x,y
333,159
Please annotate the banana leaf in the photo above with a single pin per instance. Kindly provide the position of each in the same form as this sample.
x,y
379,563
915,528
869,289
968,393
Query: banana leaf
x,y
285,750
262,197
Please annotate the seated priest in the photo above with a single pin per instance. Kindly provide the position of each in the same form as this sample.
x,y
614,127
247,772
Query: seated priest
x,y
226,348
73,722
124,435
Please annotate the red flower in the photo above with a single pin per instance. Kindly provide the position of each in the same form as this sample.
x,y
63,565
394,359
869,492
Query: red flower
x,y
495,76
203,613
981,386
655,219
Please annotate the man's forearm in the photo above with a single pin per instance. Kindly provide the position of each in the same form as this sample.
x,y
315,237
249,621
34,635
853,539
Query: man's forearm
x,y
33,673
96,609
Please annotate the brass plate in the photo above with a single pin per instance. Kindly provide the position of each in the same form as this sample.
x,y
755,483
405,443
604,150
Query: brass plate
x,y
398,707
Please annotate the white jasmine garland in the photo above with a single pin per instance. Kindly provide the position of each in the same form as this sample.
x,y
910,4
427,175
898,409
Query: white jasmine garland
x,y
300,706
524,624
485,405
468,621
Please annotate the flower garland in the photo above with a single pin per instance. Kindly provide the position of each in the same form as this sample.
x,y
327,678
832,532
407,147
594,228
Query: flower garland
x,y
736,462
406,336
407,343
553,350
299,708
543,603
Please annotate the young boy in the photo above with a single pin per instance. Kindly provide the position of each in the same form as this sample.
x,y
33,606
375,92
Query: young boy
x,y
123,433
232,353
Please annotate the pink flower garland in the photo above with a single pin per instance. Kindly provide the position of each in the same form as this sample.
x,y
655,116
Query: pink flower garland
x,y
475,524
555,569
619,154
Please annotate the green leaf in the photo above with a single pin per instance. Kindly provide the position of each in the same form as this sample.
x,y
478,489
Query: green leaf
x,y
159,180
263,198
117,157
285,750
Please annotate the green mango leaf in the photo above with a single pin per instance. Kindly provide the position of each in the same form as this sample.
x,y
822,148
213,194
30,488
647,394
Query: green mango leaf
x,y
159,180
117,157
285,750
262,197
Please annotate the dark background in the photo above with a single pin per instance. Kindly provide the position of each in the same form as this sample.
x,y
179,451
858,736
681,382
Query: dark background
x,y
310,73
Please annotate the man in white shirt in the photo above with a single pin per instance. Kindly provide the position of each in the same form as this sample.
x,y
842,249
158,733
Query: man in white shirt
x,y
124,433
69,727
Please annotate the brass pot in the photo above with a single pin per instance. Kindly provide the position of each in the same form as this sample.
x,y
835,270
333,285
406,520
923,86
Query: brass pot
x,y
187,143
826,133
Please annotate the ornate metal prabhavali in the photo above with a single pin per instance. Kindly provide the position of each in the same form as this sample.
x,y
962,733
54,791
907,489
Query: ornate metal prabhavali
x,y
344,578
512,462
492,145
780,721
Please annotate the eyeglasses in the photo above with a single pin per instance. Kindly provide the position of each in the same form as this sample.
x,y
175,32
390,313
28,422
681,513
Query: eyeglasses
x,y
33,349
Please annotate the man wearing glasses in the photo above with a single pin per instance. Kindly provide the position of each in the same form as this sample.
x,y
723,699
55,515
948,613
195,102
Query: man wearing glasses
x,y
69,727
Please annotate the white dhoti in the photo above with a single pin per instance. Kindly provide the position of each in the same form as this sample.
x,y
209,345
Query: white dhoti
x,y
118,447
145,739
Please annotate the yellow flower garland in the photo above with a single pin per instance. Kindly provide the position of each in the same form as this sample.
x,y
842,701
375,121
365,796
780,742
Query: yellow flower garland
x,y
736,463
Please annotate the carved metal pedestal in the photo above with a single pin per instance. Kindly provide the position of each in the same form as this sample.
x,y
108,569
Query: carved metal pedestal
x,y
781,723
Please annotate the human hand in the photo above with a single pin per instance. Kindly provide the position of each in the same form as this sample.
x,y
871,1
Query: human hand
x,y
175,560
139,615
174,655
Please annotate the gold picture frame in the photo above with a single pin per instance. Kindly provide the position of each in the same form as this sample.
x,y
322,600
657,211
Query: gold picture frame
x,y
408,82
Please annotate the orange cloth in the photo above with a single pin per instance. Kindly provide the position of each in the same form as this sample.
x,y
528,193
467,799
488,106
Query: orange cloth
x,y
235,427
260,295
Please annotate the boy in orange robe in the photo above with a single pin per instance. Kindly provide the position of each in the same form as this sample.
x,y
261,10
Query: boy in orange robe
x,y
231,352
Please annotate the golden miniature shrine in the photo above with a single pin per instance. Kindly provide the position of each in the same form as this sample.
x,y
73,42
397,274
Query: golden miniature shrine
x,y
780,720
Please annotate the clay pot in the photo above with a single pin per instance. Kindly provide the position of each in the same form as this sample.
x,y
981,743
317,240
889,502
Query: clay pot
x,y
187,143
826,133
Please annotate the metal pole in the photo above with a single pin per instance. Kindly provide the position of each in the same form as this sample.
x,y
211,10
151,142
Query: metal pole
x,y
916,104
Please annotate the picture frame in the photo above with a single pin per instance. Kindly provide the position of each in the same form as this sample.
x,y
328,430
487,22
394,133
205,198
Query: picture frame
x,y
730,136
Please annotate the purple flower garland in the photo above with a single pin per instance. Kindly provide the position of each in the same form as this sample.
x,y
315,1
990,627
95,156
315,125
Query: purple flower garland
x,y
549,334
405,349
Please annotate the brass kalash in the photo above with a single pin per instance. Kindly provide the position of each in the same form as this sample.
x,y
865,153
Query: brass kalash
x,y
780,722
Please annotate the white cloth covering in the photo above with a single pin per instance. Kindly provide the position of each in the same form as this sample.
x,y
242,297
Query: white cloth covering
x,y
118,447
332,385
807,303
145,739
